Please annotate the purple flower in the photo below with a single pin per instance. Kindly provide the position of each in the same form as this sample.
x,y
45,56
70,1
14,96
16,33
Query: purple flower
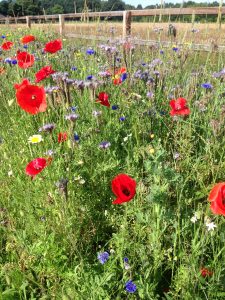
x,y
50,152
8,60
47,128
51,89
175,49
72,117
60,76
195,30
104,145
156,73
126,264
206,86
130,287
104,74
103,257
73,68
96,113
122,119
150,94
25,46
219,74
176,155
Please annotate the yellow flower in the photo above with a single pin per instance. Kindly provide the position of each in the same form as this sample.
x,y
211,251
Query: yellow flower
x,y
152,136
151,151
34,139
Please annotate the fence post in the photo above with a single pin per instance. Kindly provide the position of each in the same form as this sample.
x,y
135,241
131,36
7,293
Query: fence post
x,y
28,21
126,23
61,24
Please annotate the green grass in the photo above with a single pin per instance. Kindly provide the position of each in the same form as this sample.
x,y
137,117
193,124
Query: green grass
x,y
49,245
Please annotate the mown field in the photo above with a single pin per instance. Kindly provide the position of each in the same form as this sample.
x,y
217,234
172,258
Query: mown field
x,y
112,170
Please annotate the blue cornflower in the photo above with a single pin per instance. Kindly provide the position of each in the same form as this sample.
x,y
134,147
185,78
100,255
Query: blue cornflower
x,y
3,36
175,49
115,107
126,264
73,68
76,137
130,287
73,108
90,51
206,85
13,61
103,257
161,52
124,76
89,77
25,46
162,113
122,119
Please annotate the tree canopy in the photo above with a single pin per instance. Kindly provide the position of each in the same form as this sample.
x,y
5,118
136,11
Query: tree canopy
x,y
39,7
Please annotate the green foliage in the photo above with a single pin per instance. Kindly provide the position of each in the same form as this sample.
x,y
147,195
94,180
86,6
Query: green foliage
x,y
49,243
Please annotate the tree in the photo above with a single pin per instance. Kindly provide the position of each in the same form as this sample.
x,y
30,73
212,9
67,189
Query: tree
x,y
139,7
113,5
4,6
56,9
32,9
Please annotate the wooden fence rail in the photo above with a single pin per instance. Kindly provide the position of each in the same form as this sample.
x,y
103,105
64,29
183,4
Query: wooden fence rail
x,y
127,16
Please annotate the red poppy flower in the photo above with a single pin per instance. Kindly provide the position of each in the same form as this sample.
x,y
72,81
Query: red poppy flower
x,y
7,46
217,199
31,98
27,39
179,107
36,166
120,76
103,98
25,60
53,46
45,72
124,187
205,272
62,137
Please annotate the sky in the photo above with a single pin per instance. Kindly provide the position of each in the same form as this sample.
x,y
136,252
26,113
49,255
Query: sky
x,y
152,2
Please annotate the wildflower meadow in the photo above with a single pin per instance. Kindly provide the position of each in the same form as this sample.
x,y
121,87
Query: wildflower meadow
x,y
112,177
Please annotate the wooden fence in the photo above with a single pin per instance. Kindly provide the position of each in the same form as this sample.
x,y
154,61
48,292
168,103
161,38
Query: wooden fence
x,y
126,15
